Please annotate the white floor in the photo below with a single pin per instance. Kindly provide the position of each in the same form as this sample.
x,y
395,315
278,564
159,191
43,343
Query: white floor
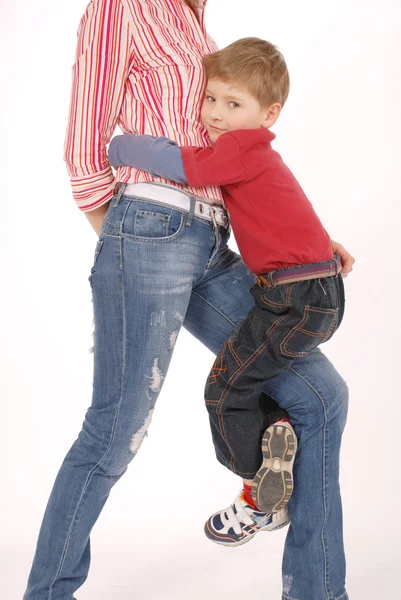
x,y
149,542
143,549
190,567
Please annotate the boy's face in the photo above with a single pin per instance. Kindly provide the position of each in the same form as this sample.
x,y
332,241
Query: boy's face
x,y
228,106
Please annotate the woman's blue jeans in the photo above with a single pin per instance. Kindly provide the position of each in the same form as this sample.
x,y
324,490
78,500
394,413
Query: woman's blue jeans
x,y
158,268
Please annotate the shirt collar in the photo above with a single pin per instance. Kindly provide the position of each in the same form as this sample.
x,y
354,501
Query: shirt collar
x,y
255,136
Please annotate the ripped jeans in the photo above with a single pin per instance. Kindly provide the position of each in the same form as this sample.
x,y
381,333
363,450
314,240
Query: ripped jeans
x,y
158,268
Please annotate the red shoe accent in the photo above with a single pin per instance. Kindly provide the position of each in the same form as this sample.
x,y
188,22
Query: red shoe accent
x,y
248,496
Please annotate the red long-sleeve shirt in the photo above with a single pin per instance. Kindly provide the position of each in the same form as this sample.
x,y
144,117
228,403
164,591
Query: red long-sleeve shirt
x,y
274,223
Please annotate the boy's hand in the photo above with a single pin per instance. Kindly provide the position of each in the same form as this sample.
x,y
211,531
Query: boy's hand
x,y
347,261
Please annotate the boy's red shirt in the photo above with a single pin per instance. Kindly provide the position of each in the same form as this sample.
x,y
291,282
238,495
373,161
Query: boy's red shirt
x,y
274,223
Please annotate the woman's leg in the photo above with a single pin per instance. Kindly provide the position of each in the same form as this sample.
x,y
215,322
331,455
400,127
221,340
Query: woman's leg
x,y
219,301
147,260
316,398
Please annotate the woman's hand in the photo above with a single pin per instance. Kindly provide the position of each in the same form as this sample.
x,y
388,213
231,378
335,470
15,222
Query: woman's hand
x,y
96,217
347,261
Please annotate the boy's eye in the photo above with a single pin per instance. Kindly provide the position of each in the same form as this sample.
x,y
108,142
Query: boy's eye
x,y
233,104
209,98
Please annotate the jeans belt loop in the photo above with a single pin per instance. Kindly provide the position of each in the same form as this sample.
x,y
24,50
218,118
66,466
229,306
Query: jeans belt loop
x,y
338,265
120,191
190,215
213,215
270,279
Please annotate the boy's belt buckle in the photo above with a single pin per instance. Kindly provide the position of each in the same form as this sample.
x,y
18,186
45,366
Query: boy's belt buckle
x,y
262,281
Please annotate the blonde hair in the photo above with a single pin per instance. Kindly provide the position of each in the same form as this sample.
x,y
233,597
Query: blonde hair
x,y
256,64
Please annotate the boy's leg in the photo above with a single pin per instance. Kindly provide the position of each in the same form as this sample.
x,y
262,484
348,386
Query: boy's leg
x,y
316,398
259,348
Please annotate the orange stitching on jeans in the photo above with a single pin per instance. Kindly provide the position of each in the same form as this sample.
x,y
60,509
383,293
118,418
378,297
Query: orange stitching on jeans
x,y
323,335
217,370
249,361
230,345
288,294
275,304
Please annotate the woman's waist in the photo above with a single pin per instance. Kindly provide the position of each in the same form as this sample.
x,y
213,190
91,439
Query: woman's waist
x,y
210,195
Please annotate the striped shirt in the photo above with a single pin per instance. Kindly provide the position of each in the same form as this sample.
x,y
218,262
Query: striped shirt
x,y
138,65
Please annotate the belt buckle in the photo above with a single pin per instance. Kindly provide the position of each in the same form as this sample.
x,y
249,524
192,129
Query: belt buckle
x,y
262,281
213,216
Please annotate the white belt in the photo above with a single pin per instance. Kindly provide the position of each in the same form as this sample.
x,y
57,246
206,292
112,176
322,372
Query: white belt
x,y
174,197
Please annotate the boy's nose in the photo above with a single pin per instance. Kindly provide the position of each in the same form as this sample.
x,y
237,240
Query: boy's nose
x,y
215,115
214,111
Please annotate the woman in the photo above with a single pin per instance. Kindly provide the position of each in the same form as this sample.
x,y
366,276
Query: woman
x,y
161,262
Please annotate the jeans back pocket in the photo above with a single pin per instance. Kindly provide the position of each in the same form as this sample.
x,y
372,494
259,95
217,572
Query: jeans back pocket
x,y
316,326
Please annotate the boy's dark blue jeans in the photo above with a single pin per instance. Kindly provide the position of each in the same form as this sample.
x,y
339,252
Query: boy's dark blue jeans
x,y
292,315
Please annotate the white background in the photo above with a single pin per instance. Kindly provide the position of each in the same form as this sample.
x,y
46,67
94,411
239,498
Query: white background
x,y
340,133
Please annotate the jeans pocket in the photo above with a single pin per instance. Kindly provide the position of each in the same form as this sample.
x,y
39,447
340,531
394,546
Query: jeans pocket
x,y
98,249
274,298
153,224
149,222
316,326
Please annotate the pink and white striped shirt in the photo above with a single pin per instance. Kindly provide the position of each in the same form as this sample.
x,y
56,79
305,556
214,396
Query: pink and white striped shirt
x,y
139,65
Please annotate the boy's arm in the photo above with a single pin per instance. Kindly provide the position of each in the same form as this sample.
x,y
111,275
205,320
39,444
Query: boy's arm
x,y
218,165
157,155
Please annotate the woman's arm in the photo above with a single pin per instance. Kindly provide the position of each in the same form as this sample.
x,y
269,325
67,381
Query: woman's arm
x,y
104,55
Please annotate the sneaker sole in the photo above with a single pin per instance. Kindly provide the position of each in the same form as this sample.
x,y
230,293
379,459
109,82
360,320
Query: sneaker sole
x,y
270,527
273,483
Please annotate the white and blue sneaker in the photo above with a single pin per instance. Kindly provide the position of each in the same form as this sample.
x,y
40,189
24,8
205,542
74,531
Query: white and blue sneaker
x,y
239,523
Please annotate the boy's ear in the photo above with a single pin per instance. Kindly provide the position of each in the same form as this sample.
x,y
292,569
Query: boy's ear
x,y
272,113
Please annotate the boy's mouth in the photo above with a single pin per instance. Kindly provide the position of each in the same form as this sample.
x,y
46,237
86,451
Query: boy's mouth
x,y
217,129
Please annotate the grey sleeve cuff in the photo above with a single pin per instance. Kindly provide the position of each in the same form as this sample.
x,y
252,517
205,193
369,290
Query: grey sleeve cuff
x,y
160,156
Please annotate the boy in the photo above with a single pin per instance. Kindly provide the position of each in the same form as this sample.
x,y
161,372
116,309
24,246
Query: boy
x,y
299,297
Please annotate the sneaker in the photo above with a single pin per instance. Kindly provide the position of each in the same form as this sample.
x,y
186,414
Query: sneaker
x,y
273,483
239,523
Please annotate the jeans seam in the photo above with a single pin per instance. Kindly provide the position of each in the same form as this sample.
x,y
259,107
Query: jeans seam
x,y
214,307
96,467
344,595
324,481
221,459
